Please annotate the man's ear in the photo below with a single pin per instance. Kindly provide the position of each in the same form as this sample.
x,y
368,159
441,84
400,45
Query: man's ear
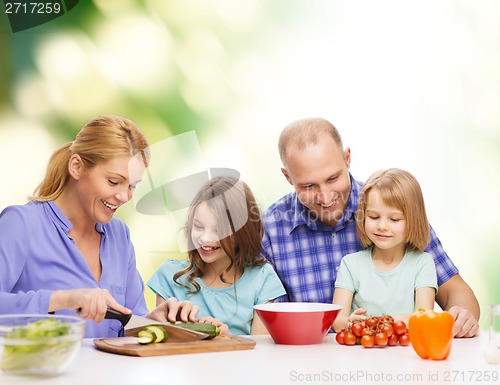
x,y
347,157
75,166
285,173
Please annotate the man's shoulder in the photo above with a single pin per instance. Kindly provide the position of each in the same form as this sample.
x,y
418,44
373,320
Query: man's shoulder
x,y
285,203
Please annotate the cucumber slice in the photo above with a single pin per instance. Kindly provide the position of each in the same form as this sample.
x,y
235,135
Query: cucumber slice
x,y
146,337
158,331
144,340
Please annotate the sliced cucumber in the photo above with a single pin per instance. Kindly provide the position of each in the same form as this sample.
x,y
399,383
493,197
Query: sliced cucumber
x,y
158,331
145,337
144,340
151,334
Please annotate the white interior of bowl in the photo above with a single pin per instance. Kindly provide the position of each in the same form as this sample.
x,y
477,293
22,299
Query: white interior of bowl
x,y
294,307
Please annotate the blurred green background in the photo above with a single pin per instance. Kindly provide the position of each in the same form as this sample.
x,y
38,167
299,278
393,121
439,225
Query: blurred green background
x,y
414,85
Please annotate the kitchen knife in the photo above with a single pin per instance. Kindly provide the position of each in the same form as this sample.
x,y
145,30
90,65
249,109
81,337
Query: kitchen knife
x,y
133,323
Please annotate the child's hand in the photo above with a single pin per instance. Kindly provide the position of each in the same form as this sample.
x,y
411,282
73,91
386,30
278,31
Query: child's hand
x,y
402,317
224,329
357,315
172,310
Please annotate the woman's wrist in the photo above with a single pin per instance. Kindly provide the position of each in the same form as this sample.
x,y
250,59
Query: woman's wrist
x,y
57,300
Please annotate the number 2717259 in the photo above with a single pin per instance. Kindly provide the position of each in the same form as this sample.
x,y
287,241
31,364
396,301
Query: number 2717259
x,y
470,375
31,8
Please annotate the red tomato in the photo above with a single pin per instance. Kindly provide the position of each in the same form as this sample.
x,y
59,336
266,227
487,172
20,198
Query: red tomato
x,y
371,321
349,338
339,337
404,339
367,331
387,330
367,341
393,340
357,329
399,327
381,339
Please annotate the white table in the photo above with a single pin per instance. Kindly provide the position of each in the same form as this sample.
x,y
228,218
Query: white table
x,y
268,363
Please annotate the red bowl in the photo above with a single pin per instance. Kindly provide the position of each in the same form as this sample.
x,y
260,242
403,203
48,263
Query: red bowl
x,y
297,323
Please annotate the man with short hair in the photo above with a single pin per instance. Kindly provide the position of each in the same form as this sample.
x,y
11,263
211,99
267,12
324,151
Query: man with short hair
x,y
309,231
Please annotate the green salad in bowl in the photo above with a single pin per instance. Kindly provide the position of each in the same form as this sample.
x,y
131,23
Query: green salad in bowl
x,y
39,344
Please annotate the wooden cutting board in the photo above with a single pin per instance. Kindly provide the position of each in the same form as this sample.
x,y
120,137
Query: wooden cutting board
x,y
129,346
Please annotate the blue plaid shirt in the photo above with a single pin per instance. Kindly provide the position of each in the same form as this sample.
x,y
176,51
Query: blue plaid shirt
x,y
306,253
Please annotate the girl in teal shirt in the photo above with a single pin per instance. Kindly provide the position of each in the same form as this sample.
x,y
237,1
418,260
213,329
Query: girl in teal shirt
x,y
225,275
392,275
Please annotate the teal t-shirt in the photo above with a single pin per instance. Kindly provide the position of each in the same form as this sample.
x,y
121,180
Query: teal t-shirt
x,y
385,292
256,285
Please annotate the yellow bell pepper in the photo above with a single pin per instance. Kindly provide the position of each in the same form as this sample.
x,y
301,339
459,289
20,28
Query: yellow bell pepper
x,y
431,333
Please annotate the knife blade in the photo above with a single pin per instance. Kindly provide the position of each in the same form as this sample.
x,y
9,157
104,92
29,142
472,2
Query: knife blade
x,y
133,323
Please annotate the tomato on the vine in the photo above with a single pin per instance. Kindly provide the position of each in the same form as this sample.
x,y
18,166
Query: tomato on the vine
x,y
404,339
399,328
339,337
357,329
374,331
393,340
371,321
381,339
387,329
368,341
349,338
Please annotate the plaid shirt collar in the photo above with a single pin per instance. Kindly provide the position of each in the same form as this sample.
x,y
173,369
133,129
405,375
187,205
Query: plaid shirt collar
x,y
301,214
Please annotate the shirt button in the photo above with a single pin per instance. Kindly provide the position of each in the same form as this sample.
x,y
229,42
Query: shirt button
x,y
334,234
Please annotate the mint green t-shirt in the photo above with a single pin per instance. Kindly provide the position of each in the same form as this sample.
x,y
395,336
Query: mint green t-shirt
x,y
385,292
257,285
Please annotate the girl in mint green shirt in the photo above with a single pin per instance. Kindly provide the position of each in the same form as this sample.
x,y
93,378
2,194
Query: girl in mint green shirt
x,y
225,275
393,275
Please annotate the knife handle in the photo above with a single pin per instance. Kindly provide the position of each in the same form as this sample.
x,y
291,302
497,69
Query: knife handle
x,y
113,314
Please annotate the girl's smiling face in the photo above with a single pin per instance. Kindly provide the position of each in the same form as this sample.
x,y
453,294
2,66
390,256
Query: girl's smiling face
x,y
385,226
205,236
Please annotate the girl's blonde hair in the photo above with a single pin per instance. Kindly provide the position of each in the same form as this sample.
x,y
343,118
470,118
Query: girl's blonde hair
x,y
101,139
401,190
238,218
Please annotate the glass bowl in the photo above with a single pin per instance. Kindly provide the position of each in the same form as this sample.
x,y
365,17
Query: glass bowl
x,y
34,344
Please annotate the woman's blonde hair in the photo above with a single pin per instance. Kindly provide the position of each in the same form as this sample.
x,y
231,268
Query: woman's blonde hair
x,y
401,190
101,139
239,221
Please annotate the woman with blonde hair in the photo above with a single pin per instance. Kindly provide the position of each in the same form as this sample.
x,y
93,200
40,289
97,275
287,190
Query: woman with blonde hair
x,y
64,251
392,275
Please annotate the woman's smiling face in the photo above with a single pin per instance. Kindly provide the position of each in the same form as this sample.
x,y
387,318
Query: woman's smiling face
x,y
107,186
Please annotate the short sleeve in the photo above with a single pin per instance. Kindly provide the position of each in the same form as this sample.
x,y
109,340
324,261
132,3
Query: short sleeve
x,y
271,287
426,272
345,278
162,281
